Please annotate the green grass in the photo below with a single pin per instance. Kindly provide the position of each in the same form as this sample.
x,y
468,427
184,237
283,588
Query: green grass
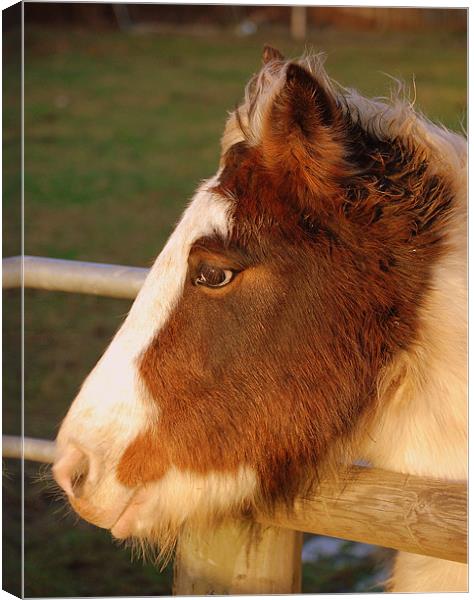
x,y
118,132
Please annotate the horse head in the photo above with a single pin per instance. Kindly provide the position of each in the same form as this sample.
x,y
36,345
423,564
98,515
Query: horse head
x,y
282,318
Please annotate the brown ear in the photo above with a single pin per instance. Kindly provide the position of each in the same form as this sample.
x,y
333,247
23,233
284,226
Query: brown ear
x,y
270,53
303,134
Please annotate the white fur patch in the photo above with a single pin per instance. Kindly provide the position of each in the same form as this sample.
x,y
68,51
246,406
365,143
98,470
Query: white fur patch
x,y
414,573
163,506
110,411
423,429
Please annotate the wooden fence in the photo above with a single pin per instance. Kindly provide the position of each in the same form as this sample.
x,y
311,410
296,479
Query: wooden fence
x,y
405,512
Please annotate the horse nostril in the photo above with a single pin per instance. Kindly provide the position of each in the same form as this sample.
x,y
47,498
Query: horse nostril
x,y
79,477
72,470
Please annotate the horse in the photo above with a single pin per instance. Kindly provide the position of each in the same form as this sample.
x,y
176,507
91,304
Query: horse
x,y
308,310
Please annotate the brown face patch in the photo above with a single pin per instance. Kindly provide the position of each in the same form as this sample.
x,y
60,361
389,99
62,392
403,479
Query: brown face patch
x,y
280,365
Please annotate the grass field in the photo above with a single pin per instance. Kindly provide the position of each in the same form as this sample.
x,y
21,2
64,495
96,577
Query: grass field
x,y
118,132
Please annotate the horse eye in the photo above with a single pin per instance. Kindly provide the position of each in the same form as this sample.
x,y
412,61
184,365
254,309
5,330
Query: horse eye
x,y
213,276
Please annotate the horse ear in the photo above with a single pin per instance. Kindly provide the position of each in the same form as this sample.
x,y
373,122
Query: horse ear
x,y
303,133
310,105
270,53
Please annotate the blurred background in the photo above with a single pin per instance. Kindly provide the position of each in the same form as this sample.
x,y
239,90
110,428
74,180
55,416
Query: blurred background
x,y
124,108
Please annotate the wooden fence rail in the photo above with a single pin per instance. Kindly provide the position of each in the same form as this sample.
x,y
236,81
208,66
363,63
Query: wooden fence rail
x,y
405,512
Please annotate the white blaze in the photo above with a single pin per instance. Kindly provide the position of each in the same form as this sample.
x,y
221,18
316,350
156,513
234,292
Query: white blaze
x,y
113,408
109,411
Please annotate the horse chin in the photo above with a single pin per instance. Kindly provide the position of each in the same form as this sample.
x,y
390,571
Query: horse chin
x,y
158,510
149,530
135,520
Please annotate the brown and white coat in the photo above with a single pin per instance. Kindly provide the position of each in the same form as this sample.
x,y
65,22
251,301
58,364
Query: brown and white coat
x,y
308,310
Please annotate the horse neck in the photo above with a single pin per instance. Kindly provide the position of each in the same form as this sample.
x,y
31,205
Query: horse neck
x,y
420,426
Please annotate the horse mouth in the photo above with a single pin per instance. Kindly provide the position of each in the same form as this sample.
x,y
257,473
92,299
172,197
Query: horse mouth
x,y
104,518
126,523
91,513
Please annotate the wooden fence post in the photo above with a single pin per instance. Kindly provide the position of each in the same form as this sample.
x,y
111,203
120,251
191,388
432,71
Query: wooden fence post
x,y
298,22
238,558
